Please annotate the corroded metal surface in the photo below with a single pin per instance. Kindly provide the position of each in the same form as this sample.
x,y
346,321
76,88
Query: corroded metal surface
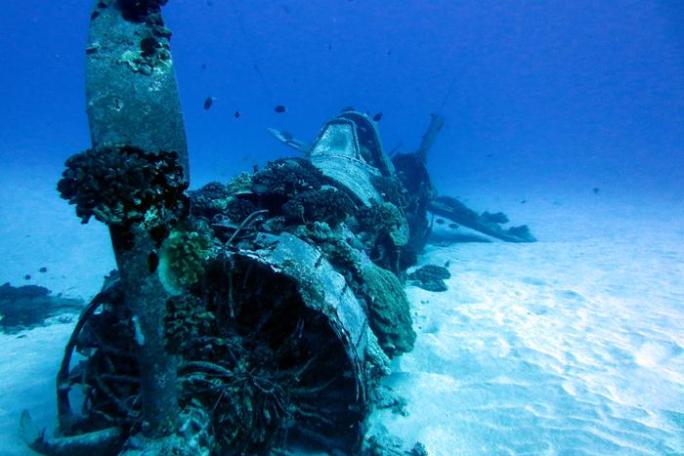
x,y
131,90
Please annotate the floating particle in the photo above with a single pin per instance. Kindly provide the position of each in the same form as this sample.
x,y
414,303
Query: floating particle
x,y
596,190
43,269
279,109
208,102
27,277
236,114
377,117
329,47
204,66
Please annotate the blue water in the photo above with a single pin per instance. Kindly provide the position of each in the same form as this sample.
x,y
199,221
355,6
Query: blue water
x,y
543,101
577,91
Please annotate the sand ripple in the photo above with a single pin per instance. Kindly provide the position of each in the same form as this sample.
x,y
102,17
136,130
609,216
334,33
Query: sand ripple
x,y
571,347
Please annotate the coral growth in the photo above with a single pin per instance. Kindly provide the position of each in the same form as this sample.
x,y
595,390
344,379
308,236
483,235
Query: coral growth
x,y
286,178
120,185
140,10
381,218
152,55
187,318
182,260
389,313
327,205
390,189
209,200
221,205
384,231
242,183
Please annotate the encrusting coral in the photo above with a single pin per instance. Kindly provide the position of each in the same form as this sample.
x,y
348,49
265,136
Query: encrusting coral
x,y
389,312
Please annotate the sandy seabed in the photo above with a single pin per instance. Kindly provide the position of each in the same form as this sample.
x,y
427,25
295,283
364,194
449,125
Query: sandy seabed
x,y
572,345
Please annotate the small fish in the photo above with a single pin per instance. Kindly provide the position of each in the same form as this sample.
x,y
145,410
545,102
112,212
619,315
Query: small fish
x,y
208,103
42,269
596,190
279,109
377,117
347,108
204,66
330,47
286,8
27,277
237,114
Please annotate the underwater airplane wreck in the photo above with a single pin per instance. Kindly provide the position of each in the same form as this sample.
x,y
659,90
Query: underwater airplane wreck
x,y
244,318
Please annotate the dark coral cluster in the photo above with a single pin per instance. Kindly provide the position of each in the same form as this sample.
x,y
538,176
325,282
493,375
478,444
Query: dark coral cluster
x,y
210,200
153,52
149,48
120,185
327,205
283,179
380,218
139,10
216,202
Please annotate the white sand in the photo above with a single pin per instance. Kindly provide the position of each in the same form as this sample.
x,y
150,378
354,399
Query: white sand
x,y
572,345
39,229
